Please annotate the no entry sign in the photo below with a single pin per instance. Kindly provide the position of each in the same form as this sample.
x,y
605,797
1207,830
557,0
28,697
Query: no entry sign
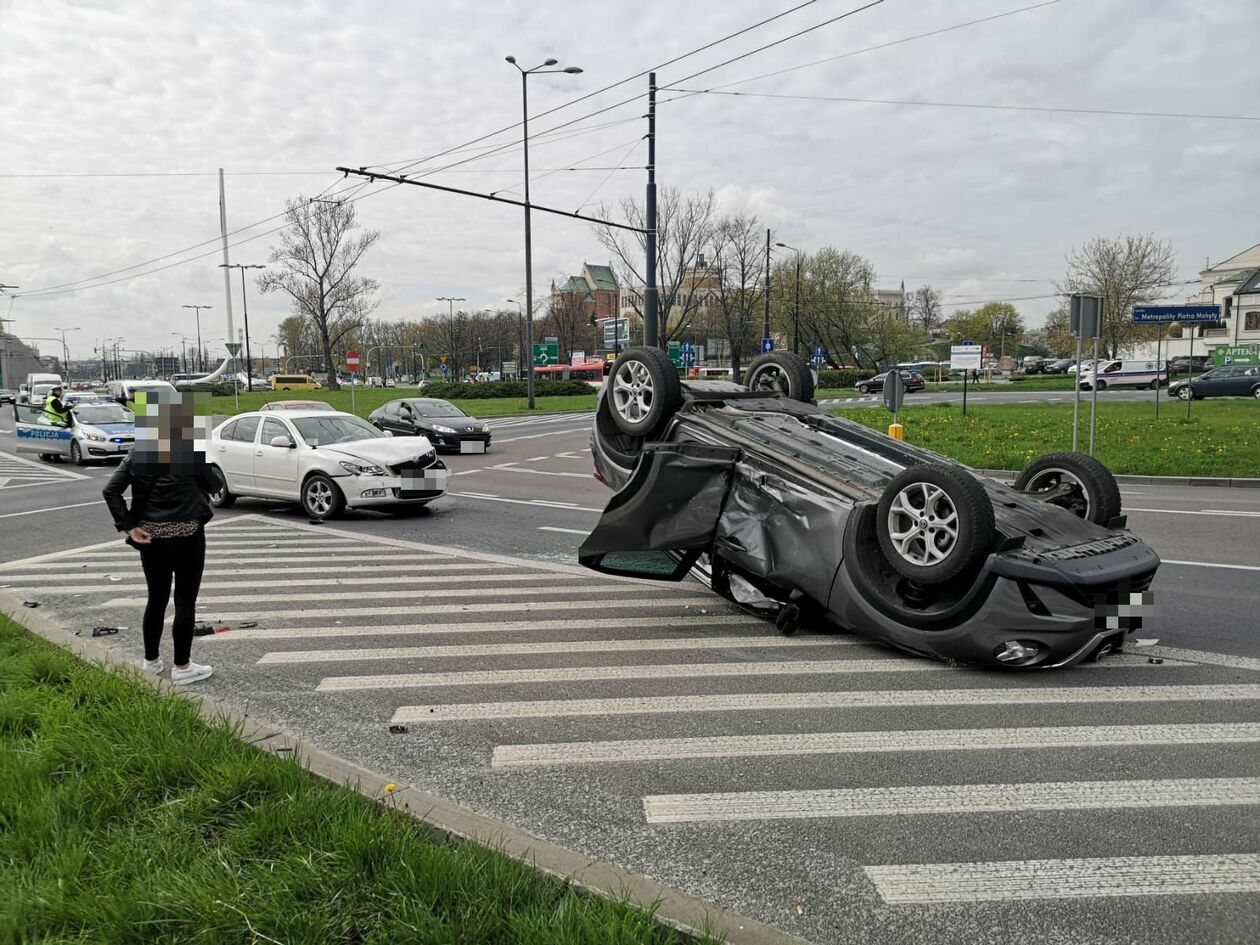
x,y
352,362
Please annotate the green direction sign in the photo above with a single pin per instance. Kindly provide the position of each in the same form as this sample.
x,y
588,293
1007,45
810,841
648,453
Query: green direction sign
x,y
1236,354
674,350
546,353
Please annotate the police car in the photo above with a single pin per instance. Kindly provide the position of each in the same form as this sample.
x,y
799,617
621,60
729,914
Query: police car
x,y
97,431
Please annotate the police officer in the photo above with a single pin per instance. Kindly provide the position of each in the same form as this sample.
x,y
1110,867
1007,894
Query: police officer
x,y
58,413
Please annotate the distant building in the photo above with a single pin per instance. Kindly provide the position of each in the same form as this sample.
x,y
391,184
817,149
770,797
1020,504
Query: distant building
x,y
892,299
697,293
1234,285
595,288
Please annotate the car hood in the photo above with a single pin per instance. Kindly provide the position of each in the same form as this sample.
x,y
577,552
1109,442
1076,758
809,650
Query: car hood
x,y
109,429
384,452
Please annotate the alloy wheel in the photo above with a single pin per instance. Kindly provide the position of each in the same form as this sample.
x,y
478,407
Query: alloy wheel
x,y
769,378
319,497
923,524
633,391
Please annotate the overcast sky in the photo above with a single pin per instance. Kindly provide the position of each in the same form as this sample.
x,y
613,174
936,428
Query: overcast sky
x,y
982,203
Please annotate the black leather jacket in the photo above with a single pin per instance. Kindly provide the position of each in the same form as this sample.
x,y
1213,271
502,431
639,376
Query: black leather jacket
x,y
161,492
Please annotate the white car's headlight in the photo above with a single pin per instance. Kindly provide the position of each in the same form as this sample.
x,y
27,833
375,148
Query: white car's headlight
x,y
95,437
362,469
441,429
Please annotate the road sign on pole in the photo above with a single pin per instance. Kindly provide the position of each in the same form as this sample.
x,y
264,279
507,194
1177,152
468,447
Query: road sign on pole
x,y
546,353
767,345
1163,314
443,369
819,357
352,362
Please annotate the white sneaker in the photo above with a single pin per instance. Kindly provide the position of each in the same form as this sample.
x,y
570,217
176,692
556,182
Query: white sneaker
x,y
153,666
193,672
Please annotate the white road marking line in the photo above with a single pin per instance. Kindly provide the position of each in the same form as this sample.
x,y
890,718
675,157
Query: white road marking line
x,y
534,502
44,468
1210,564
332,569
535,436
311,557
536,459
1196,512
950,799
428,594
603,610
503,465
347,587
544,472
566,531
637,645
55,508
847,699
567,456
223,547
1067,879
1202,656
498,626
888,664
833,743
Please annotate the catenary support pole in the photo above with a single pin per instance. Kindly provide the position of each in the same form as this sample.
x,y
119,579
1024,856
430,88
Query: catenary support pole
x,y
1190,372
765,319
227,273
1093,403
651,293
529,248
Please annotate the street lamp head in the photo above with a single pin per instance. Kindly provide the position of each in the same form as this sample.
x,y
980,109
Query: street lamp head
x,y
573,70
511,59
551,62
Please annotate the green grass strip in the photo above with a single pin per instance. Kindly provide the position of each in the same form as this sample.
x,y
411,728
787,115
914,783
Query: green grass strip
x,y
124,817
1222,438
367,399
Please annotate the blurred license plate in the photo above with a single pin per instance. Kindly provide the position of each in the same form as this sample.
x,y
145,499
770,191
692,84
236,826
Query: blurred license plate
x,y
472,446
424,480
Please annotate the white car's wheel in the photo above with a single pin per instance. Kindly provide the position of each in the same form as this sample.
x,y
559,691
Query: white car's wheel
x,y
321,498
223,499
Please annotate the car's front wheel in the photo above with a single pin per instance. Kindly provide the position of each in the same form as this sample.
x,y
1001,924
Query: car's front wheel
x,y
76,453
1073,481
321,499
643,390
863,389
934,523
782,372
1183,392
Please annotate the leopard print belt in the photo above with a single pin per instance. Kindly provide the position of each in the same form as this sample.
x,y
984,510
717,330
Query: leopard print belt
x,y
171,529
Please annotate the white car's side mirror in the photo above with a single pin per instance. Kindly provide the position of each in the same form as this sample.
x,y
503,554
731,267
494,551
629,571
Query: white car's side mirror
x,y
282,441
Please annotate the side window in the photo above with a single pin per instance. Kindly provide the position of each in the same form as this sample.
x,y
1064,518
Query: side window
x,y
229,431
246,427
391,409
1113,367
271,429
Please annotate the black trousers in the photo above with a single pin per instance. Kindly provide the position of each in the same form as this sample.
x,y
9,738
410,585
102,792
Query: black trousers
x,y
164,559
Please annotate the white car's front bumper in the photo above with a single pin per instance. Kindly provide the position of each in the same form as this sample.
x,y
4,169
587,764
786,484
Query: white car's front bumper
x,y
412,488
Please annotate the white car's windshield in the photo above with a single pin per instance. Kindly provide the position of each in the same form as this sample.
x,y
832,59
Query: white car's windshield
x,y
325,431
435,410
103,413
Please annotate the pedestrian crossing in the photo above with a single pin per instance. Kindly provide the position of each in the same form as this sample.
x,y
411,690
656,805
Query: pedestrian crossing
x,y
19,472
544,693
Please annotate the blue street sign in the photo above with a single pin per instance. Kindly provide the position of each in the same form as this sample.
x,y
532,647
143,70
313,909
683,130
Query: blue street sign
x,y
767,345
818,352
443,368
1163,314
686,347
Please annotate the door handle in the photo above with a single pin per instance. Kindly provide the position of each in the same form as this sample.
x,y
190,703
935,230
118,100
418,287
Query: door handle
x,y
258,452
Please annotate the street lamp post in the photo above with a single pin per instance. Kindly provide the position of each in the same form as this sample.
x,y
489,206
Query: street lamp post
x,y
520,336
249,365
529,249
450,322
65,349
200,363
796,311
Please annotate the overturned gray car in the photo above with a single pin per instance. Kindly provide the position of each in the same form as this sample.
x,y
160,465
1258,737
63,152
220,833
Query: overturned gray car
x,y
807,518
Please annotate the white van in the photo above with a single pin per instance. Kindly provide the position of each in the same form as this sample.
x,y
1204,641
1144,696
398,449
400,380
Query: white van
x,y
1117,373
26,391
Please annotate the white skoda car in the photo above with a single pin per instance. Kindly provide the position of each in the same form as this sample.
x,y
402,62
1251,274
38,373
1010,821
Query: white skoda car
x,y
323,460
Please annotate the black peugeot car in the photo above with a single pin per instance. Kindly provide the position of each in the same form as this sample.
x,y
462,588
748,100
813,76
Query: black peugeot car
x,y
912,380
446,426
801,515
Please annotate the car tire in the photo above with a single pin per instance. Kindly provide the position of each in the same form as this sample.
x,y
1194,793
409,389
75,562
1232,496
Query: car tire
x,y
644,390
784,372
1255,392
1096,497
223,499
321,497
1154,385
1183,392
929,551
1102,385
863,389
76,453
46,457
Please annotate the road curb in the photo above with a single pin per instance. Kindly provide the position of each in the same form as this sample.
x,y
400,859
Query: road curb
x,y
444,819
1125,479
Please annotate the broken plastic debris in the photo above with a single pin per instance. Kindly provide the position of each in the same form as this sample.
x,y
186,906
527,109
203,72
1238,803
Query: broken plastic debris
x,y
1151,659
30,603
1149,641
113,577
247,624
398,730
105,631
202,630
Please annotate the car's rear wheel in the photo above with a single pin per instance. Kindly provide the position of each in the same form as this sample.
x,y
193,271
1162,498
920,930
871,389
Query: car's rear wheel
x,y
782,372
643,390
321,499
863,389
934,523
1073,481
223,499
1102,385
1255,392
1154,385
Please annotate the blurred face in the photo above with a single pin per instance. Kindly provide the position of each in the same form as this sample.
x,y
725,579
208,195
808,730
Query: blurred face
x,y
167,425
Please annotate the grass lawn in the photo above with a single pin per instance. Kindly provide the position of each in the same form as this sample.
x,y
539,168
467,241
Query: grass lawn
x,y
1221,439
367,399
126,818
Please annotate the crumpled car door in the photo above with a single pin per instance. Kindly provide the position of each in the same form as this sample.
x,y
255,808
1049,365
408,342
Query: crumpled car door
x,y
665,516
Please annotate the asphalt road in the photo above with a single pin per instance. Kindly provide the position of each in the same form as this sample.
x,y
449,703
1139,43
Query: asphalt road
x,y
830,787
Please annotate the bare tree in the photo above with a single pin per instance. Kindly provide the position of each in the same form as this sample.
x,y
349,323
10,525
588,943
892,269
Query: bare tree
x,y
316,260
740,282
925,309
684,230
836,289
568,318
1125,271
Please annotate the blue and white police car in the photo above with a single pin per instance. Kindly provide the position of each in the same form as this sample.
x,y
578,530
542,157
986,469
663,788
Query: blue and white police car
x,y
97,431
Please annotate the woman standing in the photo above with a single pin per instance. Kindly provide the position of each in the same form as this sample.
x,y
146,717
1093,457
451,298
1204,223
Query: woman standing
x,y
169,480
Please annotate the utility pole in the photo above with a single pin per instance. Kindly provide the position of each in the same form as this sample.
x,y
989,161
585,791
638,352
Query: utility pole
x,y
4,353
450,332
65,349
651,295
796,310
200,363
227,276
249,364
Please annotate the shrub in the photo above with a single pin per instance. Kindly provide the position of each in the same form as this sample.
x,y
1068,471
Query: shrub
x,y
489,389
830,380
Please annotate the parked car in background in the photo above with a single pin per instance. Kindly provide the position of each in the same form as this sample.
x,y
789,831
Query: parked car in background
x,y
1118,373
7,396
325,461
1058,367
1228,380
1191,365
445,425
913,381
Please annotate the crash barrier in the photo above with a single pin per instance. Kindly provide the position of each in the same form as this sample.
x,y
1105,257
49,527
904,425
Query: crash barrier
x,y
488,389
